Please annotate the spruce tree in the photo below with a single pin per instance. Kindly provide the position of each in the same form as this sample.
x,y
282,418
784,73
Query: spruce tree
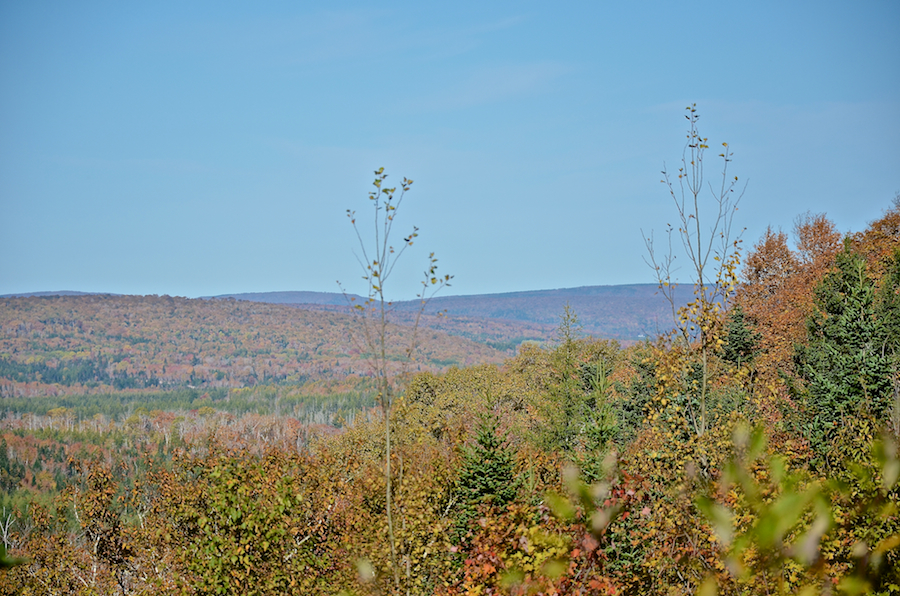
x,y
11,472
567,405
488,473
844,363
741,342
488,470
887,306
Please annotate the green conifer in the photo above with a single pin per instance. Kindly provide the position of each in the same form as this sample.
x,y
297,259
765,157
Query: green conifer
x,y
888,313
844,363
741,342
488,473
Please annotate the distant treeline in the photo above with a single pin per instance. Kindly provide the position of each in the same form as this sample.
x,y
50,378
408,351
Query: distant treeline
x,y
332,409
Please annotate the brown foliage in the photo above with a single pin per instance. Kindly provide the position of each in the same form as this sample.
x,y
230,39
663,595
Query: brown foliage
x,y
879,241
777,293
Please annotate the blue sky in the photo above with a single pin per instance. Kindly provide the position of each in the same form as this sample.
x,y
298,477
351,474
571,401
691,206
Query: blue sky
x,y
213,147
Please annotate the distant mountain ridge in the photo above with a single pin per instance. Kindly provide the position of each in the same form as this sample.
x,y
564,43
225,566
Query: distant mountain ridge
x,y
624,312
290,297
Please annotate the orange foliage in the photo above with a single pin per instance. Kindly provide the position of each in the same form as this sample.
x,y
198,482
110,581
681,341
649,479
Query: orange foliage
x,y
879,241
777,294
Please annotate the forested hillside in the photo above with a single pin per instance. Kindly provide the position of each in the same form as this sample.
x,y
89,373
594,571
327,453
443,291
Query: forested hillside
x,y
98,343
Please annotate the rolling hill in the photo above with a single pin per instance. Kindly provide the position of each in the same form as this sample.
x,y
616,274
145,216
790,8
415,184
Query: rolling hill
x,y
622,312
53,345
66,342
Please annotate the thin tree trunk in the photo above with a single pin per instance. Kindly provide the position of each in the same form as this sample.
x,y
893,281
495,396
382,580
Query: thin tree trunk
x,y
388,497
703,386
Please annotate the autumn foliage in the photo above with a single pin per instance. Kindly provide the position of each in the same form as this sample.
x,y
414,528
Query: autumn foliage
x,y
574,468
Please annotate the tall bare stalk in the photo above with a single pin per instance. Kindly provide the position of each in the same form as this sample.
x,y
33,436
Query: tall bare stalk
x,y
711,247
377,258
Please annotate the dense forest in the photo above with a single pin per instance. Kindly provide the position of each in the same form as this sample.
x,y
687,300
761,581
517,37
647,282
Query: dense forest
x,y
753,450
63,345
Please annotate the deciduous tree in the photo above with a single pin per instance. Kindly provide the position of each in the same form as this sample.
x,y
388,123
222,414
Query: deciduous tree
x,y
377,261
704,230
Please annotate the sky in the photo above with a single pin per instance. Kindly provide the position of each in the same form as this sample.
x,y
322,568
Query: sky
x,y
204,148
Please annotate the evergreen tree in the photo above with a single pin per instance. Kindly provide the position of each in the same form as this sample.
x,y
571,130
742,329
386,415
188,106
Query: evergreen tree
x,y
844,363
488,473
599,424
577,416
741,342
11,472
488,469
888,303
888,313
